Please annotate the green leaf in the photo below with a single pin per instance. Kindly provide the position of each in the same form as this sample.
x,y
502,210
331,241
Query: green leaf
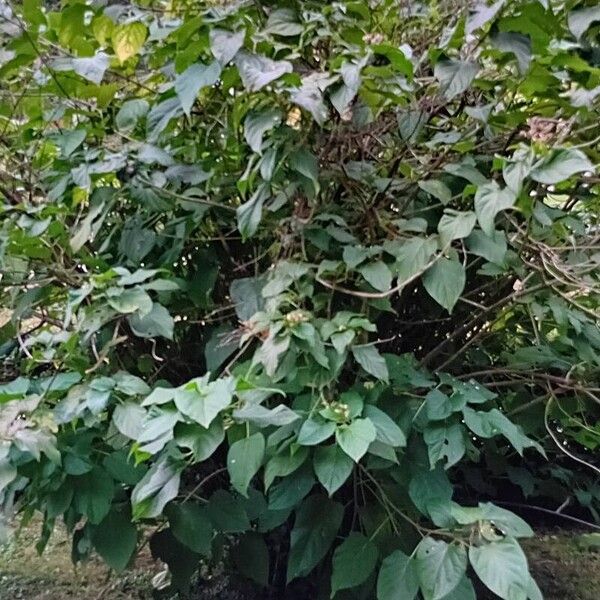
x,y
158,486
354,255
284,22
201,441
227,513
115,539
440,567
160,396
247,297
102,28
353,561
481,15
560,165
385,451
438,406
412,255
136,240
182,561
455,76
157,428
160,115
8,473
445,282
283,277
192,80
502,567
346,92
377,275
270,352
490,199
284,463
514,43
466,169
127,39
128,418
249,214
251,558
129,384
515,170
310,97
430,491
69,141
437,189
224,45
244,460
33,13
57,503
258,71
492,423
121,468
455,225
257,124
444,442
14,389
93,496
354,439
203,403
504,520
463,591
369,358
190,524
399,58
581,19
332,467
386,430
290,490
398,579
263,417
306,163
314,431
492,248
92,68
71,24
158,322
130,300
317,522
342,339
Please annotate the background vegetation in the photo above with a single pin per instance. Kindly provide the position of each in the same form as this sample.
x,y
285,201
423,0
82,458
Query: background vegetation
x,y
300,288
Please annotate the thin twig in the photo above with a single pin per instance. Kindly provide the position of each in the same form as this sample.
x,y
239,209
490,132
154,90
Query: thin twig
x,y
548,511
557,441
377,295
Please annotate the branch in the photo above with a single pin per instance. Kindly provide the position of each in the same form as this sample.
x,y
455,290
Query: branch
x,y
467,326
548,511
557,441
376,295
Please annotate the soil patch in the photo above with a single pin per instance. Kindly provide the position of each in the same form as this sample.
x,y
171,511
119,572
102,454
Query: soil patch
x,y
566,565
24,574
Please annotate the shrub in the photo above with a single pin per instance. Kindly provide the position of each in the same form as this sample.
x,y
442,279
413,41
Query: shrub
x,y
300,287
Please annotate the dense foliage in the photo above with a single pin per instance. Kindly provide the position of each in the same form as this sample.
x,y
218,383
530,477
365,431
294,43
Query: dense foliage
x,y
299,287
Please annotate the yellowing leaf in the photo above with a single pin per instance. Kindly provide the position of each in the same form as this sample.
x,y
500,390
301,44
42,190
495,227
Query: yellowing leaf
x,y
127,39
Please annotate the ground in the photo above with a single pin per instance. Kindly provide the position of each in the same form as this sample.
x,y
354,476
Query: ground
x,y
565,564
24,575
